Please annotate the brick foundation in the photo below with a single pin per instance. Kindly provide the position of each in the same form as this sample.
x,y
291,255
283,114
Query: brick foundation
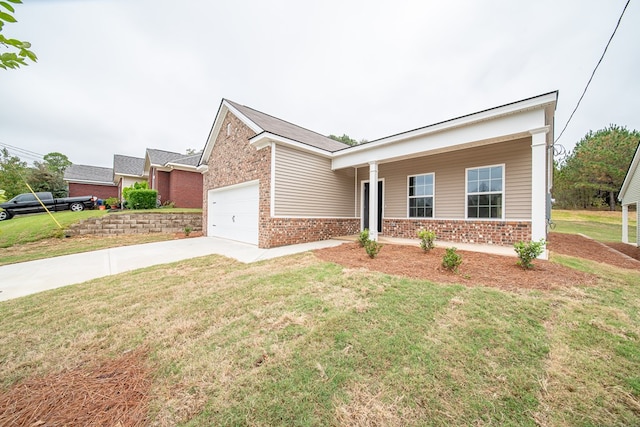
x,y
290,231
138,223
484,232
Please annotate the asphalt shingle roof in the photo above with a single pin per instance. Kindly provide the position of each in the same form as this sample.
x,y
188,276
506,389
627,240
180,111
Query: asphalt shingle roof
x,y
162,157
127,165
288,130
88,173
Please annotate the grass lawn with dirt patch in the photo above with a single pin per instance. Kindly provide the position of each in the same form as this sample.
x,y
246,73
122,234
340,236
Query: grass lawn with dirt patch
x,y
604,226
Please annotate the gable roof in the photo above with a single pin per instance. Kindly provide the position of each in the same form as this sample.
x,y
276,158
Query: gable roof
x,y
89,174
631,174
279,127
171,159
127,165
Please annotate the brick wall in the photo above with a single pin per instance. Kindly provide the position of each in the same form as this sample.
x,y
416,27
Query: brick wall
x,y
136,223
289,231
161,184
100,191
483,232
185,189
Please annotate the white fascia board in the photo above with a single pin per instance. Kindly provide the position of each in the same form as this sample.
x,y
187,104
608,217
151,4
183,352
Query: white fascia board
x,y
447,136
89,182
178,166
202,169
217,125
633,168
265,139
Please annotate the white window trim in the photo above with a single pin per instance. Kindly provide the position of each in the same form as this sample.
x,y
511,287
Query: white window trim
x,y
503,192
433,196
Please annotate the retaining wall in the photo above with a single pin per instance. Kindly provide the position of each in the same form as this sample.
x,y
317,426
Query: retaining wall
x,y
136,223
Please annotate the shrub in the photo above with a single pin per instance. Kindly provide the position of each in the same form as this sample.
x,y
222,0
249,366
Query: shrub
x,y
527,252
142,199
427,239
372,248
363,238
451,260
135,186
112,202
187,230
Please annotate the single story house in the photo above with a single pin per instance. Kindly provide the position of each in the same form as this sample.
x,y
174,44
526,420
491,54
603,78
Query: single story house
x,y
175,176
480,178
630,196
127,171
84,180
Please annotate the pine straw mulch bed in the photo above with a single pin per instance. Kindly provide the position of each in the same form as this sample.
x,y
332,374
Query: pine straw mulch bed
x,y
114,393
483,269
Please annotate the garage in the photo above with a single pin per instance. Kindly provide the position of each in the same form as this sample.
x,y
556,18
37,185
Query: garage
x,y
233,212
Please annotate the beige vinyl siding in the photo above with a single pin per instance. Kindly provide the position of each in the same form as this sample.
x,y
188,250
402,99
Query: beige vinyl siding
x,y
632,195
449,176
305,186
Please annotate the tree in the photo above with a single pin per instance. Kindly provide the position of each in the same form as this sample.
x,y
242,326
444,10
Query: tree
x,y
41,178
13,172
19,50
345,139
593,173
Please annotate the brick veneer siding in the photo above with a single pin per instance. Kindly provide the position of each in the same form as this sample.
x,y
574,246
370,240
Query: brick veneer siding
x,y
137,223
483,232
161,184
289,231
100,191
185,189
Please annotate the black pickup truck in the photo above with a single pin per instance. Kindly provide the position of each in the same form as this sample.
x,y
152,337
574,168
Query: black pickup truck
x,y
28,203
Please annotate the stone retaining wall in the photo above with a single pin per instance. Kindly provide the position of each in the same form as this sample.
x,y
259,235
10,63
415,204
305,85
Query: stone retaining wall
x,y
136,223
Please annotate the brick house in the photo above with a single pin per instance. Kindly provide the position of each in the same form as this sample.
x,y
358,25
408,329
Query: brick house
x,y
480,178
175,176
84,180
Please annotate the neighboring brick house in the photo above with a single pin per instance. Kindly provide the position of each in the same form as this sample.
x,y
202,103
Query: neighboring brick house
x,y
175,176
86,180
127,171
629,196
480,178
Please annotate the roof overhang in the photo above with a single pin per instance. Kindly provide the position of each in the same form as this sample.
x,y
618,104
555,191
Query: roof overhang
x,y
224,108
633,168
265,139
512,121
88,182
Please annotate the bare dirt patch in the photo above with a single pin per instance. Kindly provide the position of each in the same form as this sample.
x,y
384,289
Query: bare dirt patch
x,y
476,269
115,393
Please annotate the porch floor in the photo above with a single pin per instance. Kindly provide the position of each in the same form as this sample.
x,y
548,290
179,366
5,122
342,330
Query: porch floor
x,y
488,249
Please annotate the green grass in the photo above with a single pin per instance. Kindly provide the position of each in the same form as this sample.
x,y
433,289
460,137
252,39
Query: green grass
x,y
604,226
300,342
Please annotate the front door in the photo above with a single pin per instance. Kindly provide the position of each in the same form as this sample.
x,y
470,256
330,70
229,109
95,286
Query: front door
x,y
365,205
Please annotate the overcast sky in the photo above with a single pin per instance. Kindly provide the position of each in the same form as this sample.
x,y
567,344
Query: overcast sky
x,y
120,76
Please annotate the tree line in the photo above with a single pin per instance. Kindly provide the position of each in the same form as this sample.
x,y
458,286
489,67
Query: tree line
x,y
47,175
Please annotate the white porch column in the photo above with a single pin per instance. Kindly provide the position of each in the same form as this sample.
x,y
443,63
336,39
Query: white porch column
x,y
539,184
638,224
625,223
373,201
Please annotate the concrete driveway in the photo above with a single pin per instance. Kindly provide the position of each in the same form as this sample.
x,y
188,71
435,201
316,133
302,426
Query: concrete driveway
x,y
27,278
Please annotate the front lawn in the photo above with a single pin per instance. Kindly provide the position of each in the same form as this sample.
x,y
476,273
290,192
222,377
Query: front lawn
x,y
301,342
604,226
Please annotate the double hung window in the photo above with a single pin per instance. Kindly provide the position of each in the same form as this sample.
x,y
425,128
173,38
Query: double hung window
x,y
485,192
421,189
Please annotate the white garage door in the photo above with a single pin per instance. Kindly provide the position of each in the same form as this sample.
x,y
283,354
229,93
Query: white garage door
x,y
233,212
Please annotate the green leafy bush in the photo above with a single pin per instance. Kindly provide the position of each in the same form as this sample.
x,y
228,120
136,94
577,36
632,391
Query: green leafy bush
x,y
363,238
142,199
112,202
372,248
427,239
135,186
187,230
527,252
451,260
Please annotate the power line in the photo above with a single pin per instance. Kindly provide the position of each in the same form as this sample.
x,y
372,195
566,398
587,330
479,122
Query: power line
x,y
594,71
21,152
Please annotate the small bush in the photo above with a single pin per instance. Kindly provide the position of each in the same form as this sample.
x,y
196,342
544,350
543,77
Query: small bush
x,y
363,238
427,239
187,230
142,199
111,202
527,252
451,260
372,248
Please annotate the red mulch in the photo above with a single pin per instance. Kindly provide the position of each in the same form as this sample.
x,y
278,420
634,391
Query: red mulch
x,y
483,269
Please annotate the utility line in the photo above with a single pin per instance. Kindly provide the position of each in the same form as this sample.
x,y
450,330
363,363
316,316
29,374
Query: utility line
x,y
594,71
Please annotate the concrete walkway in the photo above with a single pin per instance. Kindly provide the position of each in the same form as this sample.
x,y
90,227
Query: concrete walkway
x,y
27,278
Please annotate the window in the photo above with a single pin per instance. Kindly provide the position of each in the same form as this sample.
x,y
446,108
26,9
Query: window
x,y
485,192
421,196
